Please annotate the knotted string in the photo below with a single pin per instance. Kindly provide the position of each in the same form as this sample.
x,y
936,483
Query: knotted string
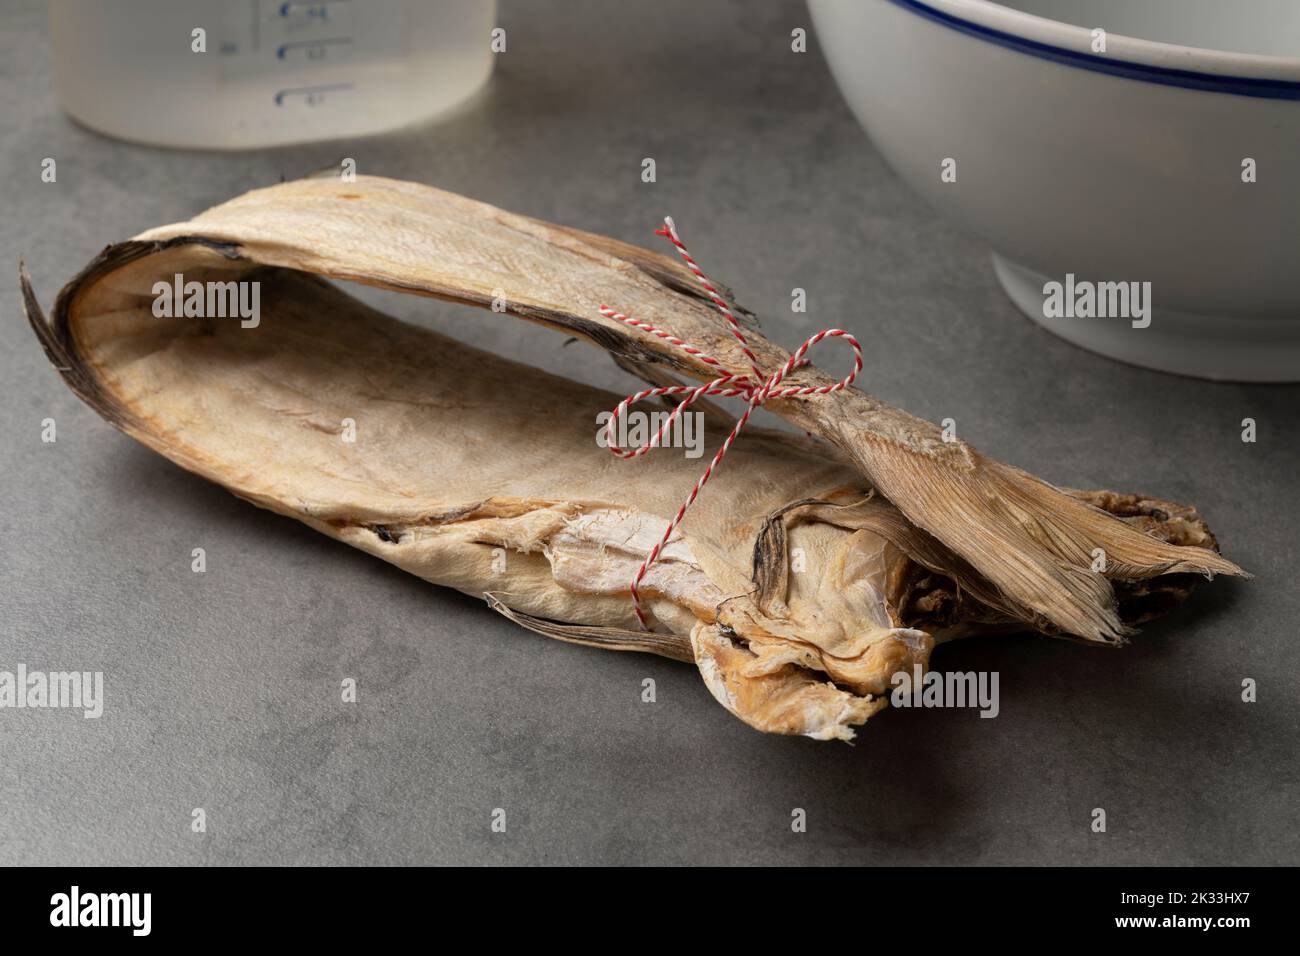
x,y
754,387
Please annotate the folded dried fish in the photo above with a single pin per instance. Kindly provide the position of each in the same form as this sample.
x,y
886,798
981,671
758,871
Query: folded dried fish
x,y
482,474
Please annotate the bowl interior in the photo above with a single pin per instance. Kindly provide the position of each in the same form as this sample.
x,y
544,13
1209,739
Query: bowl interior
x,y
1269,27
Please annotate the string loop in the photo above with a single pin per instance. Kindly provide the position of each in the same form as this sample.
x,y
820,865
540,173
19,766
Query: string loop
x,y
754,387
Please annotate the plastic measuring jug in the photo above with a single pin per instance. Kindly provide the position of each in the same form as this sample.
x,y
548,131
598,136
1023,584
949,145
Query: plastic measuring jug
x,y
234,74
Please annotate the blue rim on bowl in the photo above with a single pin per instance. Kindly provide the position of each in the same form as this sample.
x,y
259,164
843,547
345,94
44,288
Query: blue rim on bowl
x,y
1236,74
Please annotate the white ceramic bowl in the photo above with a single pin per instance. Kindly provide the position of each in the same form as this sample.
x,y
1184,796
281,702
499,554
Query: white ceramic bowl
x,y
1119,165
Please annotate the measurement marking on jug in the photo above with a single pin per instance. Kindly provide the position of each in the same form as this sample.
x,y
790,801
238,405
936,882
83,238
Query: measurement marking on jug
x,y
310,45
311,95
313,8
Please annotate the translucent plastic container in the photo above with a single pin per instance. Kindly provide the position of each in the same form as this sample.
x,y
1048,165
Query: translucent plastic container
x,y
269,72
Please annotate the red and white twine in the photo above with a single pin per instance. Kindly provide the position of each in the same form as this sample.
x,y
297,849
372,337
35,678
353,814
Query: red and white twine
x,y
752,387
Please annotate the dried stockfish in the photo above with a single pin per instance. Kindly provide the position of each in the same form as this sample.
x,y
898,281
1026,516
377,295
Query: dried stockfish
x,y
484,475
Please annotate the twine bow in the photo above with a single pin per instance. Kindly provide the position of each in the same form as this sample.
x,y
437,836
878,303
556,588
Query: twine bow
x,y
754,387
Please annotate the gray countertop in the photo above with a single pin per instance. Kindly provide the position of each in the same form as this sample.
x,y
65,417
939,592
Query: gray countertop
x,y
222,689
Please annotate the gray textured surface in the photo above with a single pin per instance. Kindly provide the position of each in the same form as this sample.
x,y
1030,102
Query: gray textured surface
x,y
222,688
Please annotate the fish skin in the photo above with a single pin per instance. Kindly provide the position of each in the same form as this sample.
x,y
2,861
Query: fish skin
x,y
1025,544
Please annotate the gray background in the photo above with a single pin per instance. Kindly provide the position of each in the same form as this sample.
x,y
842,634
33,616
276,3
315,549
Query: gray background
x,y
222,688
